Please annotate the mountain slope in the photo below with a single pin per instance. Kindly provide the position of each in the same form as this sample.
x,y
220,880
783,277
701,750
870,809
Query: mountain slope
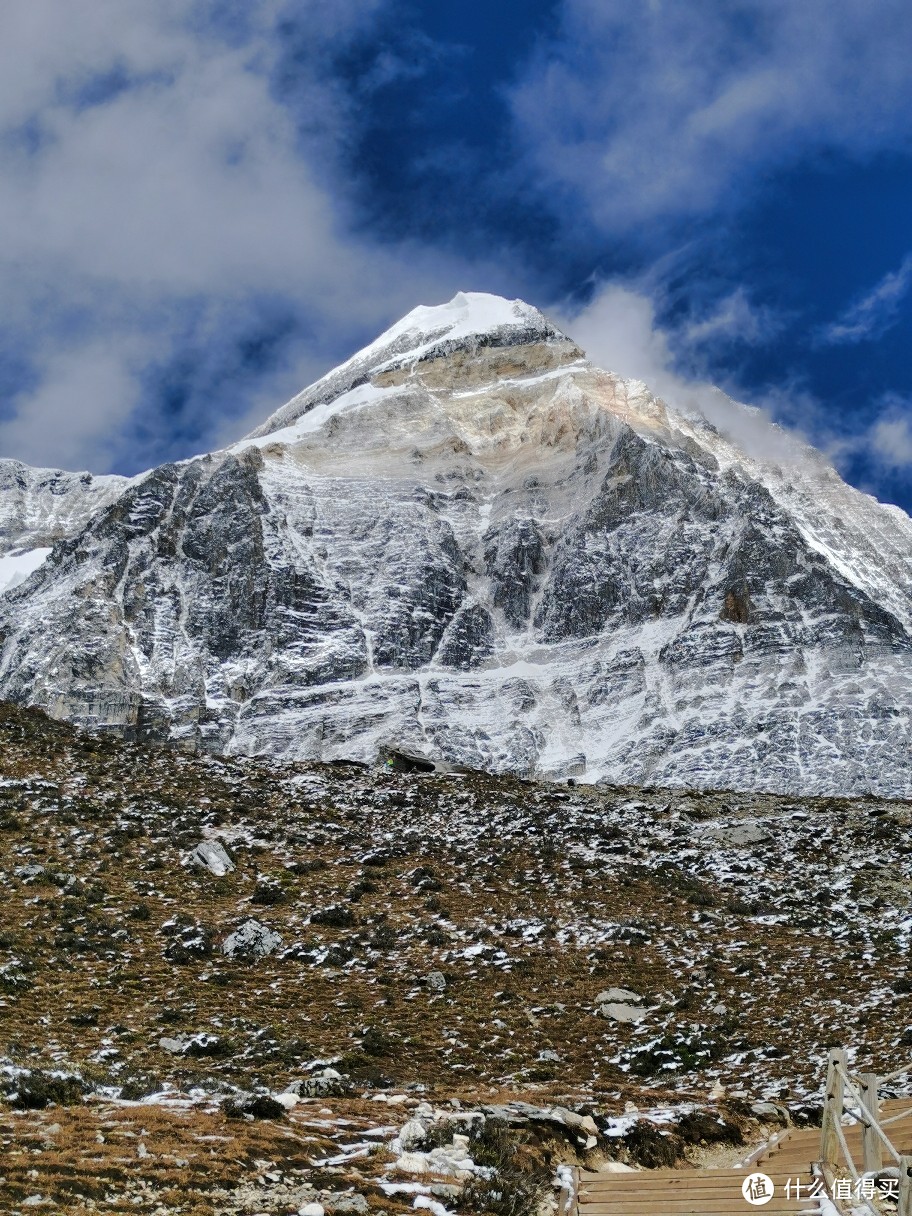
x,y
471,539
41,506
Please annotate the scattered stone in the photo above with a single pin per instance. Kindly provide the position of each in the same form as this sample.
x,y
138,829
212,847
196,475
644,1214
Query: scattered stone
x,y
212,855
327,1083
413,1135
174,1046
739,835
619,1012
451,1160
625,995
357,1205
261,1106
436,981
29,874
251,940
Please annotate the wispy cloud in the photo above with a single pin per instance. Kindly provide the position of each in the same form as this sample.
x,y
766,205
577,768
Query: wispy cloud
x,y
646,109
890,438
620,332
874,313
735,319
158,199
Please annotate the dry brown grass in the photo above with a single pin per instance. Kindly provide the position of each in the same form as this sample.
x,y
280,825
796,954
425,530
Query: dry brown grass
x,y
427,870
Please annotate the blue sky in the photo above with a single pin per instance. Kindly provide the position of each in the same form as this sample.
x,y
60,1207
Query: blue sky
x,y
204,204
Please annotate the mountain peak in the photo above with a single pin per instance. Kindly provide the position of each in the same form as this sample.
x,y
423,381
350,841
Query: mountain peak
x,y
471,320
468,314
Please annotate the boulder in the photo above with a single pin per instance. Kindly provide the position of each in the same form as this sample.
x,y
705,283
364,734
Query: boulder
x,y
325,1084
251,940
261,1106
619,1011
741,834
212,855
412,1135
339,1204
619,994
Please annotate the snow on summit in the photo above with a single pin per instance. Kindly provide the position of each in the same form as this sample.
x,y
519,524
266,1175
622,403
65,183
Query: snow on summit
x,y
467,314
469,319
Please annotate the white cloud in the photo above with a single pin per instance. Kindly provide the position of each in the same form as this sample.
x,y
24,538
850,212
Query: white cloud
x,y
734,319
147,167
619,332
72,419
648,110
890,438
874,312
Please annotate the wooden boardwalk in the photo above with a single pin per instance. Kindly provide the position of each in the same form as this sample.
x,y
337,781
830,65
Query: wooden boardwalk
x,y
788,1160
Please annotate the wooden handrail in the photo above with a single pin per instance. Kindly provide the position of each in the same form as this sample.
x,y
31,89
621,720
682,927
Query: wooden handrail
x,y
900,1072
896,1118
873,1124
764,1150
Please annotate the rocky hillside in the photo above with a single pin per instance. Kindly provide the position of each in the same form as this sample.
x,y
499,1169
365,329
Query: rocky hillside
x,y
570,974
472,540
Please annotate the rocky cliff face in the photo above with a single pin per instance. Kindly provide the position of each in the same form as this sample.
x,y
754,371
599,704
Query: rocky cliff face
x,y
471,539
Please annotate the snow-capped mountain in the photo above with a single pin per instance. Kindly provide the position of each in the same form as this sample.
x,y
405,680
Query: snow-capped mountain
x,y
470,539
41,506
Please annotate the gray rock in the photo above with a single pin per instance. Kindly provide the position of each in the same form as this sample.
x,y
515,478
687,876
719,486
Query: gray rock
x,y
520,1113
739,835
436,981
620,1012
619,994
445,1190
174,1046
412,1135
211,855
346,1203
327,1083
30,872
251,940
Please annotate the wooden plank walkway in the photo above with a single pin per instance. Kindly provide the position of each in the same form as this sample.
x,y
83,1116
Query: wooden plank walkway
x,y
788,1159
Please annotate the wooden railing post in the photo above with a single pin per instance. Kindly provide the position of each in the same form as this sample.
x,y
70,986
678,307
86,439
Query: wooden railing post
x,y
905,1187
833,1099
871,1149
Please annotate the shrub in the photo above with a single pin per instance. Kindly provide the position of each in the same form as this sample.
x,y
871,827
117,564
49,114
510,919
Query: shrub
x,y
512,1190
335,917
38,1089
268,891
